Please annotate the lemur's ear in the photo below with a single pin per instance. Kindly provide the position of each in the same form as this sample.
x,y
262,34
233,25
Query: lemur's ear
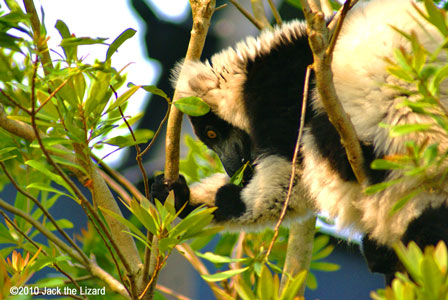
x,y
193,78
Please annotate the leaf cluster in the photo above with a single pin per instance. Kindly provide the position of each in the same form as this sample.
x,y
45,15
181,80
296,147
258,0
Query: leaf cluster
x,y
424,72
427,279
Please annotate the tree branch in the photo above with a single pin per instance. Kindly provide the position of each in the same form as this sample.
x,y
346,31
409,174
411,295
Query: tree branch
x,y
275,12
40,40
247,14
320,41
202,11
299,251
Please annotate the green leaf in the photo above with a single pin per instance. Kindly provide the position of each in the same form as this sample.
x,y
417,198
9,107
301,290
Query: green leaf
x,y
141,135
311,281
293,286
67,163
400,130
323,253
156,91
320,242
193,223
200,242
77,41
375,188
441,255
63,224
123,98
436,17
167,244
431,277
124,36
69,50
10,42
244,290
237,178
123,221
44,261
264,287
13,5
218,259
223,275
131,121
403,200
410,257
5,235
383,164
430,154
192,106
324,266
148,217
98,93
6,150
47,188
400,73
54,177
441,75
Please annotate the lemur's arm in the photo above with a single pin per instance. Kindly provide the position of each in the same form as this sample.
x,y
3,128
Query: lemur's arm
x,y
260,201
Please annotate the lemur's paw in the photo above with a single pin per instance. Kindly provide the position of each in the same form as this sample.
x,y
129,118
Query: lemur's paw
x,y
160,190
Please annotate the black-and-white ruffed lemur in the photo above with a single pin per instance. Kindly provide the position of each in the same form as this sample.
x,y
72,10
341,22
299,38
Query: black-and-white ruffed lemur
x,y
255,90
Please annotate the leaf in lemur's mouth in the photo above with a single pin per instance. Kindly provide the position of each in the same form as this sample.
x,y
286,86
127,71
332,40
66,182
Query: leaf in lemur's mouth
x,y
242,175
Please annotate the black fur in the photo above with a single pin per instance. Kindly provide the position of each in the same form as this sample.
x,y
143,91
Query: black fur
x,y
229,203
160,190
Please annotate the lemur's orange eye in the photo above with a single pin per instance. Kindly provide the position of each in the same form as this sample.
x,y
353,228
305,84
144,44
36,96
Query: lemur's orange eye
x,y
211,134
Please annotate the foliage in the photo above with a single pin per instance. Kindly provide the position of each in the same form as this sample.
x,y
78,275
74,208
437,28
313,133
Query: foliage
x,y
61,110
427,279
425,73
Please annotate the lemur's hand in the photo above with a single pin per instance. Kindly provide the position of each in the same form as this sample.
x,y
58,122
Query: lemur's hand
x,y
160,190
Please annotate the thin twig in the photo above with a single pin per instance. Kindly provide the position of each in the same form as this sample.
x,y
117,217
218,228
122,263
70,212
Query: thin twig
x,y
335,34
39,227
170,292
275,12
247,14
221,7
294,162
259,13
159,129
46,213
52,94
14,102
11,222
137,148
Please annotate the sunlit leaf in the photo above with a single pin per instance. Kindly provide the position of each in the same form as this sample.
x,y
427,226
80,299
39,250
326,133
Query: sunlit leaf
x,y
125,35
223,275
192,106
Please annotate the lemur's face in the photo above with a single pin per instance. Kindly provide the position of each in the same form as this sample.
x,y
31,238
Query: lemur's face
x,y
233,145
